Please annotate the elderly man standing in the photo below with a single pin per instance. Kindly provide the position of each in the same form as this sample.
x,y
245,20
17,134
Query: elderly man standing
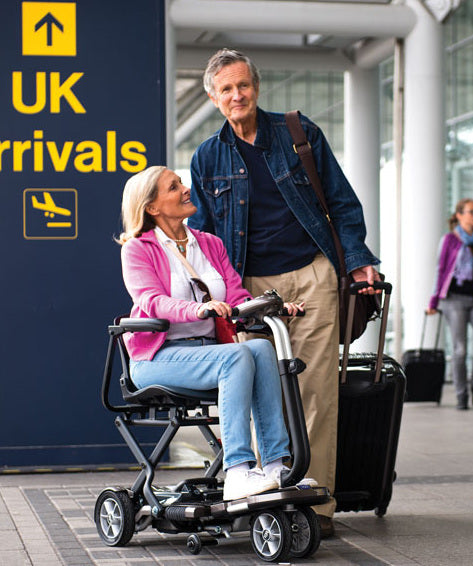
x,y
251,190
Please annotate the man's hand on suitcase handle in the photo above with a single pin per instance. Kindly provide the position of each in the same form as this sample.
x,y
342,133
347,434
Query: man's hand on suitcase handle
x,y
377,286
366,274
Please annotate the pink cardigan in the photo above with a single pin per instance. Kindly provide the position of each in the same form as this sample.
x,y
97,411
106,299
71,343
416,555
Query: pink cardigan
x,y
147,276
450,245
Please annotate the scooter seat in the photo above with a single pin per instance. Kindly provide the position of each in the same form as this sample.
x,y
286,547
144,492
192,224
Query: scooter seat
x,y
162,396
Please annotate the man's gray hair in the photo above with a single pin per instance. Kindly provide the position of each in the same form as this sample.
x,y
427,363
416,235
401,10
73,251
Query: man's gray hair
x,y
221,59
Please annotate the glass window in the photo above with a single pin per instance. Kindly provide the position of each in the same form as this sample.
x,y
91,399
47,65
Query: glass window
x,y
459,103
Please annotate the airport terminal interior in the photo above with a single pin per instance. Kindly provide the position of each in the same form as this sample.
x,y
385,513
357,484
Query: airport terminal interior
x,y
390,83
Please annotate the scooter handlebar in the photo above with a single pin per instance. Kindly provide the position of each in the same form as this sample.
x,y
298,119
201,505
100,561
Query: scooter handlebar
x,y
209,313
284,312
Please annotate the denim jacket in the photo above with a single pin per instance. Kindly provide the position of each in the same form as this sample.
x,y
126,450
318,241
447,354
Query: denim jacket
x,y
220,191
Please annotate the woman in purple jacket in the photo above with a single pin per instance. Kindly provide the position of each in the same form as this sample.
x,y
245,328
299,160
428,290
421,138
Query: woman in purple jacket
x,y
453,293
155,204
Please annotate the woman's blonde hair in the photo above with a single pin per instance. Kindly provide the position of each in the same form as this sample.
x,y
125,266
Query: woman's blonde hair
x,y
459,208
140,190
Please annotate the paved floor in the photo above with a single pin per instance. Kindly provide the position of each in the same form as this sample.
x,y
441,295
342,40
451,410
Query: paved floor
x,y
46,519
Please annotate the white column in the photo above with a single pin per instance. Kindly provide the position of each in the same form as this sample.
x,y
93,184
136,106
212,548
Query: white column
x,y
170,47
423,179
361,161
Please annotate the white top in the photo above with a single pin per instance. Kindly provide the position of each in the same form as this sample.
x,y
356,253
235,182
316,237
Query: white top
x,y
183,288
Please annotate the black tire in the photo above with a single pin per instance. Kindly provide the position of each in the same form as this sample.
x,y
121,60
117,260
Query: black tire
x,y
114,517
270,533
194,544
306,533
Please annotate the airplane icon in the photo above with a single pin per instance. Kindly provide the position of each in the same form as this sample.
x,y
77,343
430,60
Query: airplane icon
x,y
48,206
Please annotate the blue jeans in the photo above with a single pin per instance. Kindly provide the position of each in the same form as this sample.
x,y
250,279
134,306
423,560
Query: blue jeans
x,y
248,381
458,312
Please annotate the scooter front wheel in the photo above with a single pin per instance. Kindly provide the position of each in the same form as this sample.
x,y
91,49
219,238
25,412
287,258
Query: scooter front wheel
x,y
271,535
194,544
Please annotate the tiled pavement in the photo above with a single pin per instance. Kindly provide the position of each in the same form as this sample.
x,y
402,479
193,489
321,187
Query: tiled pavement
x,y
46,519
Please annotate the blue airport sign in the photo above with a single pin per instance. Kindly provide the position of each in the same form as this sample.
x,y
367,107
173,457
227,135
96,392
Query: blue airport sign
x,y
82,108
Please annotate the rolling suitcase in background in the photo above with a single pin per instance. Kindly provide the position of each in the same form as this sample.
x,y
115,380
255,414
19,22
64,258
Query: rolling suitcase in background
x,y
372,388
425,369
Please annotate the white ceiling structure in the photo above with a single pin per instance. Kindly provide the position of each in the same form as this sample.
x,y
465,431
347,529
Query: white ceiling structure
x,y
280,35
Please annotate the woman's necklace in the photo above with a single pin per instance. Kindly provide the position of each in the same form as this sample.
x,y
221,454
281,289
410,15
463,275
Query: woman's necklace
x,y
179,245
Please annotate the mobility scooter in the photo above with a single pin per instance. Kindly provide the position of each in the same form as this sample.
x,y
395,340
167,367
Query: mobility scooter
x,y
281,522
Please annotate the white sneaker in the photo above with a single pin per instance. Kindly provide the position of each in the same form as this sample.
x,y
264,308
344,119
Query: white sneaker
x,y
246,483
305,482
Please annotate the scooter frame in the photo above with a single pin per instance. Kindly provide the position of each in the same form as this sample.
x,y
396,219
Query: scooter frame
x,y
281,522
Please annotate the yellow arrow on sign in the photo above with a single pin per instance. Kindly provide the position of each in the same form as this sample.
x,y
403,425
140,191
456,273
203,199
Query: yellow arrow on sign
x,y
49,21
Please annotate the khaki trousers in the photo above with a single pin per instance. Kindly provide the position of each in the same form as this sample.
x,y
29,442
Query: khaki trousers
x,y
314,339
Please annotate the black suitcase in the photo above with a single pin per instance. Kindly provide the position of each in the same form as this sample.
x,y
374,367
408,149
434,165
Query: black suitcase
x,y
425,370
372,389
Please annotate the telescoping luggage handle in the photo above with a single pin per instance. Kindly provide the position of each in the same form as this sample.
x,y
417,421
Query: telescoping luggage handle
x,y
354,288
437,335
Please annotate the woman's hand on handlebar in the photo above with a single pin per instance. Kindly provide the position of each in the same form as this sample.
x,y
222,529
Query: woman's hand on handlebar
x,y
294,308
221,308
431,311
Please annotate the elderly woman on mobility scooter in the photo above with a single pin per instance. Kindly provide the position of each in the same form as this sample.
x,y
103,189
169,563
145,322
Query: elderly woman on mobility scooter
x,y
155,203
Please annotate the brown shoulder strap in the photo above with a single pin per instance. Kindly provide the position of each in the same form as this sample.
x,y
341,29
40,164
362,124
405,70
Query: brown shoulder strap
x,y
304,150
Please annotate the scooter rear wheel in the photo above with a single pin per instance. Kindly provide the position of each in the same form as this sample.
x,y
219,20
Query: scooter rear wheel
x,y
306,534
271,535
114,517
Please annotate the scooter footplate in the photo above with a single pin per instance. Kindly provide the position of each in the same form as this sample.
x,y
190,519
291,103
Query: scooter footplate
x,y
285,496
